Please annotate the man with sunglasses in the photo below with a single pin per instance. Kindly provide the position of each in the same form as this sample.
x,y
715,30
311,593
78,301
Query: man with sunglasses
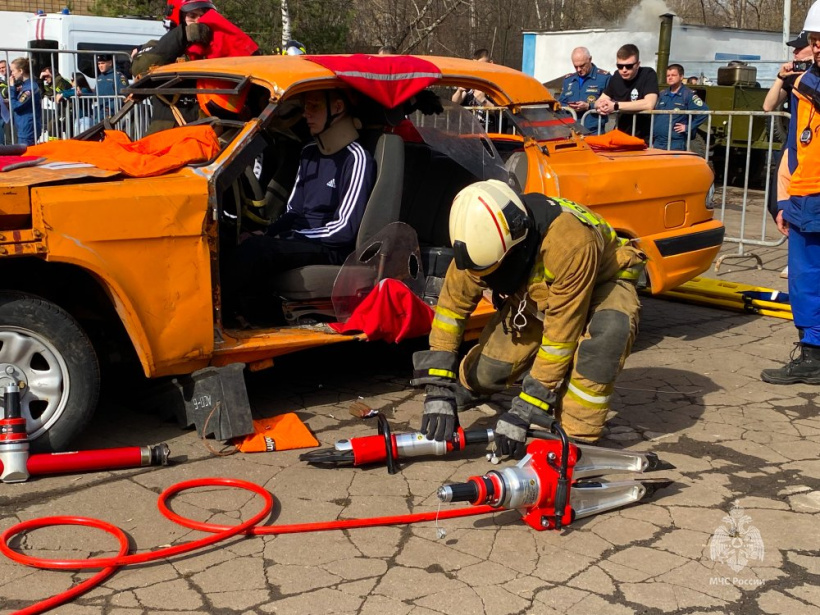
x,y
563,284
631,89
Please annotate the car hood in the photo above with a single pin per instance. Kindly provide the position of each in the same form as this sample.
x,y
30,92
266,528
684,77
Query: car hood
x,y
51,172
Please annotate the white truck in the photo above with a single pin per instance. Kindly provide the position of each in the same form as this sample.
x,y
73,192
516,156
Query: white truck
x,y
66,34
15,25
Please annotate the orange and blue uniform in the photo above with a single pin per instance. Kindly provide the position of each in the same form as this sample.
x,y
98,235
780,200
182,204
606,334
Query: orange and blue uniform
x,y
802,209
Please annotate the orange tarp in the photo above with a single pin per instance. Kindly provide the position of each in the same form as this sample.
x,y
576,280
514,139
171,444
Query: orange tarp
x,y
615,140
152,155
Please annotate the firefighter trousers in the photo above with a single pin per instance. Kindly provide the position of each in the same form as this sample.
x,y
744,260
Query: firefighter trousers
x,y
506,352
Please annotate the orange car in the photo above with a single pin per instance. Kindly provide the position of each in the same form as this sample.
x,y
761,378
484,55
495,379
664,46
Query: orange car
x,y
99,266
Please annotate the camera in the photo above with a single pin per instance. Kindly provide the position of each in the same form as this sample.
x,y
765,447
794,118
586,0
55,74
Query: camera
x,y
801,67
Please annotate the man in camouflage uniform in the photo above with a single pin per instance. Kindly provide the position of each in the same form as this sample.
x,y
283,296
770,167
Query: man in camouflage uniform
x,y
55,113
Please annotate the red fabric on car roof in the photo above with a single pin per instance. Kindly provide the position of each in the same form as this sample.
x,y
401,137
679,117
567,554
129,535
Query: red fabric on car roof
x,y
390,80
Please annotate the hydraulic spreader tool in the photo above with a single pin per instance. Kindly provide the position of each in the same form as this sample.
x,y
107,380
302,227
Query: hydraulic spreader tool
x,y
16,464
556,482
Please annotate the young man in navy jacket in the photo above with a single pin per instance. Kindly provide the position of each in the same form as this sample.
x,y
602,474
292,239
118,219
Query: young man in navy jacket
x,y
325,208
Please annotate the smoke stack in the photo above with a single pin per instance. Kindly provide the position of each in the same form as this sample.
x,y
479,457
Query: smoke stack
x,y
664,46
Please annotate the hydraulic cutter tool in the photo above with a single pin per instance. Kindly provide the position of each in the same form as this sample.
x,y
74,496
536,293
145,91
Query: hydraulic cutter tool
x,y
374,449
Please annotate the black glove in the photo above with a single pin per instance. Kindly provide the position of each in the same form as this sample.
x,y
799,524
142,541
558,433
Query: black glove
x,y
436,369
440,418
198,33
512,426
511,433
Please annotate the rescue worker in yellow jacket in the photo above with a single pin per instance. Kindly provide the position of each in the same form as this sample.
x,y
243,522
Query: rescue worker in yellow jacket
x,y
564,287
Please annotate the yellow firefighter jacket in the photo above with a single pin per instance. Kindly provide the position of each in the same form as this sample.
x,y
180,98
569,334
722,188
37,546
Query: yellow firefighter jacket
x,y
578,252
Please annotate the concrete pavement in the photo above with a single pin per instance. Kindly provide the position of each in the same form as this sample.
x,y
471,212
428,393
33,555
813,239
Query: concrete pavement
x,y
736,533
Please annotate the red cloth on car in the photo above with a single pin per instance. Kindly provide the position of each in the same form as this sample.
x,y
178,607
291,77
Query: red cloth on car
x,y
615,141
391,312
9,163
389,79
228,40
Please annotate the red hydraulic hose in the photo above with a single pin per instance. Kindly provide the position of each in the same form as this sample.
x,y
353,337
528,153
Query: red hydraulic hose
x,y
250,527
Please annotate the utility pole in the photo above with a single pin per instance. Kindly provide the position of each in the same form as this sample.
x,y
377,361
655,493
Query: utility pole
x,y
285,24
471,37
787,19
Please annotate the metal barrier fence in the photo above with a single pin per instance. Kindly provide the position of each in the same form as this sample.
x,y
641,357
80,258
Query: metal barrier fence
x,y
66,115
723,137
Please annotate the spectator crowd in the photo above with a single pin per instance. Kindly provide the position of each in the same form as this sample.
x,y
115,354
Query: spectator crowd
x,y
594,96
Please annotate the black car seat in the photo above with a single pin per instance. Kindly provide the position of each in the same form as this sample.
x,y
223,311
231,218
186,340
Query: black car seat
x,y
383,207
517,164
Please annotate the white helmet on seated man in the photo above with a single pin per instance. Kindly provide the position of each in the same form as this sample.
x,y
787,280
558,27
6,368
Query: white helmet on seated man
x,y
487,220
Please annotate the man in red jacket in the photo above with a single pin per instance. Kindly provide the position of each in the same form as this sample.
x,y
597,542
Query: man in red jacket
x,y
196,30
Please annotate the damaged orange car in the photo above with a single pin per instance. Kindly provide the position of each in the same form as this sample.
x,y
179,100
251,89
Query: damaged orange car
x,y
98,265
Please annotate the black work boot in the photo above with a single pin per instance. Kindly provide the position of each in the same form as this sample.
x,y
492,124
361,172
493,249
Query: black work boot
x,y
804,367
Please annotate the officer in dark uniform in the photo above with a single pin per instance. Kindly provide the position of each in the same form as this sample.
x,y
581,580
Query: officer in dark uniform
x,y
582,88
676,96
110,84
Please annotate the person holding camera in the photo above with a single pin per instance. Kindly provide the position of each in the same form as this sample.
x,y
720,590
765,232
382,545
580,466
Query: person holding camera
x,y
24,99
775,97
783,84
798,217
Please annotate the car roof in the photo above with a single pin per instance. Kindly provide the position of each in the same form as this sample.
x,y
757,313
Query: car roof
x,y
298,73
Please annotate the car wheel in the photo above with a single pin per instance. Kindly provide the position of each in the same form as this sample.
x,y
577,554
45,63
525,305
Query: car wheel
x,y
45,351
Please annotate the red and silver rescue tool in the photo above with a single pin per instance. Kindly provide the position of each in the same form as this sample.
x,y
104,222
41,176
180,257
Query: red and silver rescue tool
x,y
374,449
16,465
545,484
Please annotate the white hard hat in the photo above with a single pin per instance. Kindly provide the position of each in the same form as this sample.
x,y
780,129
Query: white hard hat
x,y
487,219
813,18
294,48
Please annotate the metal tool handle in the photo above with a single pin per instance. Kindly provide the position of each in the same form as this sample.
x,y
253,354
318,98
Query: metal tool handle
x,y
562,488
11,401
390,452
458,492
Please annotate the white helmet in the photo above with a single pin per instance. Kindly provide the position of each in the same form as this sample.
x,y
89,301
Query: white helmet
x,y
813,18
487,219
294,48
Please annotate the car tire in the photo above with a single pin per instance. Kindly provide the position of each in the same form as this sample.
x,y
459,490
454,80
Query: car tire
x,y
44,349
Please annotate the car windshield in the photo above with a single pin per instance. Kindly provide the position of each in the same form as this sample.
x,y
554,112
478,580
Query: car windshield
x,y
541,123
459,135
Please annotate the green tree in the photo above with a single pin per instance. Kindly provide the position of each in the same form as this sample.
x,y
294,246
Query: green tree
x,y
323,26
